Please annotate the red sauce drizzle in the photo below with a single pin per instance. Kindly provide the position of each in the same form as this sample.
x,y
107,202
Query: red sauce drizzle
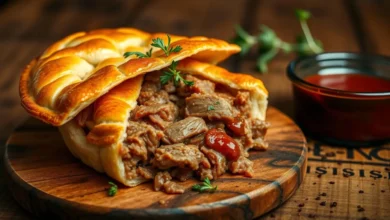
x,y
237,126
223,143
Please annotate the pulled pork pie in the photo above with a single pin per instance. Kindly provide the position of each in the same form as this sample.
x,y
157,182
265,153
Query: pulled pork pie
x,y
117,116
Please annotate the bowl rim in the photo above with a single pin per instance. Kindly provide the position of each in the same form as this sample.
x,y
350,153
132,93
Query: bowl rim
x,y
337,55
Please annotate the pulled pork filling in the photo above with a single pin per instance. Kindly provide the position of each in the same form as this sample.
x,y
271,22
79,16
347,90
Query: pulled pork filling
x,y
177,132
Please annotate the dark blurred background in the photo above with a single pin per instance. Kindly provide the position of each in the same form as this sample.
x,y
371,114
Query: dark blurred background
x,y
28,27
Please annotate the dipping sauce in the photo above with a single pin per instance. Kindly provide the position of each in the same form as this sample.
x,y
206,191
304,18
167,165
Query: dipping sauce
x,y
329,114
342,98
350,82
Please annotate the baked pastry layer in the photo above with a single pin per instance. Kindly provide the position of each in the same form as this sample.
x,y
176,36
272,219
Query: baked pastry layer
x,y
75,71
118,117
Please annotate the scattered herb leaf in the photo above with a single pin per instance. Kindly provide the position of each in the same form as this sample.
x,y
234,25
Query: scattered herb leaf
x,y
205,186
113,189
159,43
217,103
210,107
174,75
270,44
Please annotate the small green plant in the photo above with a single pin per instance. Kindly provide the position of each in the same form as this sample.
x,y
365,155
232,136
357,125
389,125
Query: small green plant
x,y
270,44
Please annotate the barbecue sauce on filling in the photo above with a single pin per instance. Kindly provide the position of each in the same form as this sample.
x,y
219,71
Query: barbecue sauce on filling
x,y
342,116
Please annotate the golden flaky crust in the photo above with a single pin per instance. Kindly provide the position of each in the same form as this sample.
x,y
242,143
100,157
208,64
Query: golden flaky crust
x,y
75,71
112,110
87,69
100,149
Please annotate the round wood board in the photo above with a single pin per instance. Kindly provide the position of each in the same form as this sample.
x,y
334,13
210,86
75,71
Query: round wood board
x,y
47,180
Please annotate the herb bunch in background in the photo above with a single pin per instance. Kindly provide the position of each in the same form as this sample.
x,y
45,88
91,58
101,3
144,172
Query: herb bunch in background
x,y
270,44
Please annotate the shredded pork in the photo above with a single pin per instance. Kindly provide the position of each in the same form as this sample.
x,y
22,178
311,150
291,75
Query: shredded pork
x,y
184,129
179,155
165,136
211,107
242,166
162,181
217,160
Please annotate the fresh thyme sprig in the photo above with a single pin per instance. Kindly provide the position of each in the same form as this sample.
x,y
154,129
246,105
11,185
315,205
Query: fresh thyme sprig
x,y
139,54
172,74
113,189
159,43
270,44
205,186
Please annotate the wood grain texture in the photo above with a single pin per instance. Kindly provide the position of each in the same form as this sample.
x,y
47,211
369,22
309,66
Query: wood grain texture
x,y
356,180
48,181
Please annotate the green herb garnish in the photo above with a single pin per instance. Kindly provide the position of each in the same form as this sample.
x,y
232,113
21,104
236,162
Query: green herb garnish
x,y
205,186
139,54
113,189
270,44
159,43
174,75
210,107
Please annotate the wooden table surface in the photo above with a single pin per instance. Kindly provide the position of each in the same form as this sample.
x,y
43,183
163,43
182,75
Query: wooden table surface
x,y
28,27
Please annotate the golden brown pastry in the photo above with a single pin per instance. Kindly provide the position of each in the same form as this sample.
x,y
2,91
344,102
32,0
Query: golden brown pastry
x,y
75,71
117,116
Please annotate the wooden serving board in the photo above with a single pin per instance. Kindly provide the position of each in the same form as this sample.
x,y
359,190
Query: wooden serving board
x,y
48,181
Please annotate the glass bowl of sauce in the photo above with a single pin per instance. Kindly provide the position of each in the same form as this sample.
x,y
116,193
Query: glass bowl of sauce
x,y
342,98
